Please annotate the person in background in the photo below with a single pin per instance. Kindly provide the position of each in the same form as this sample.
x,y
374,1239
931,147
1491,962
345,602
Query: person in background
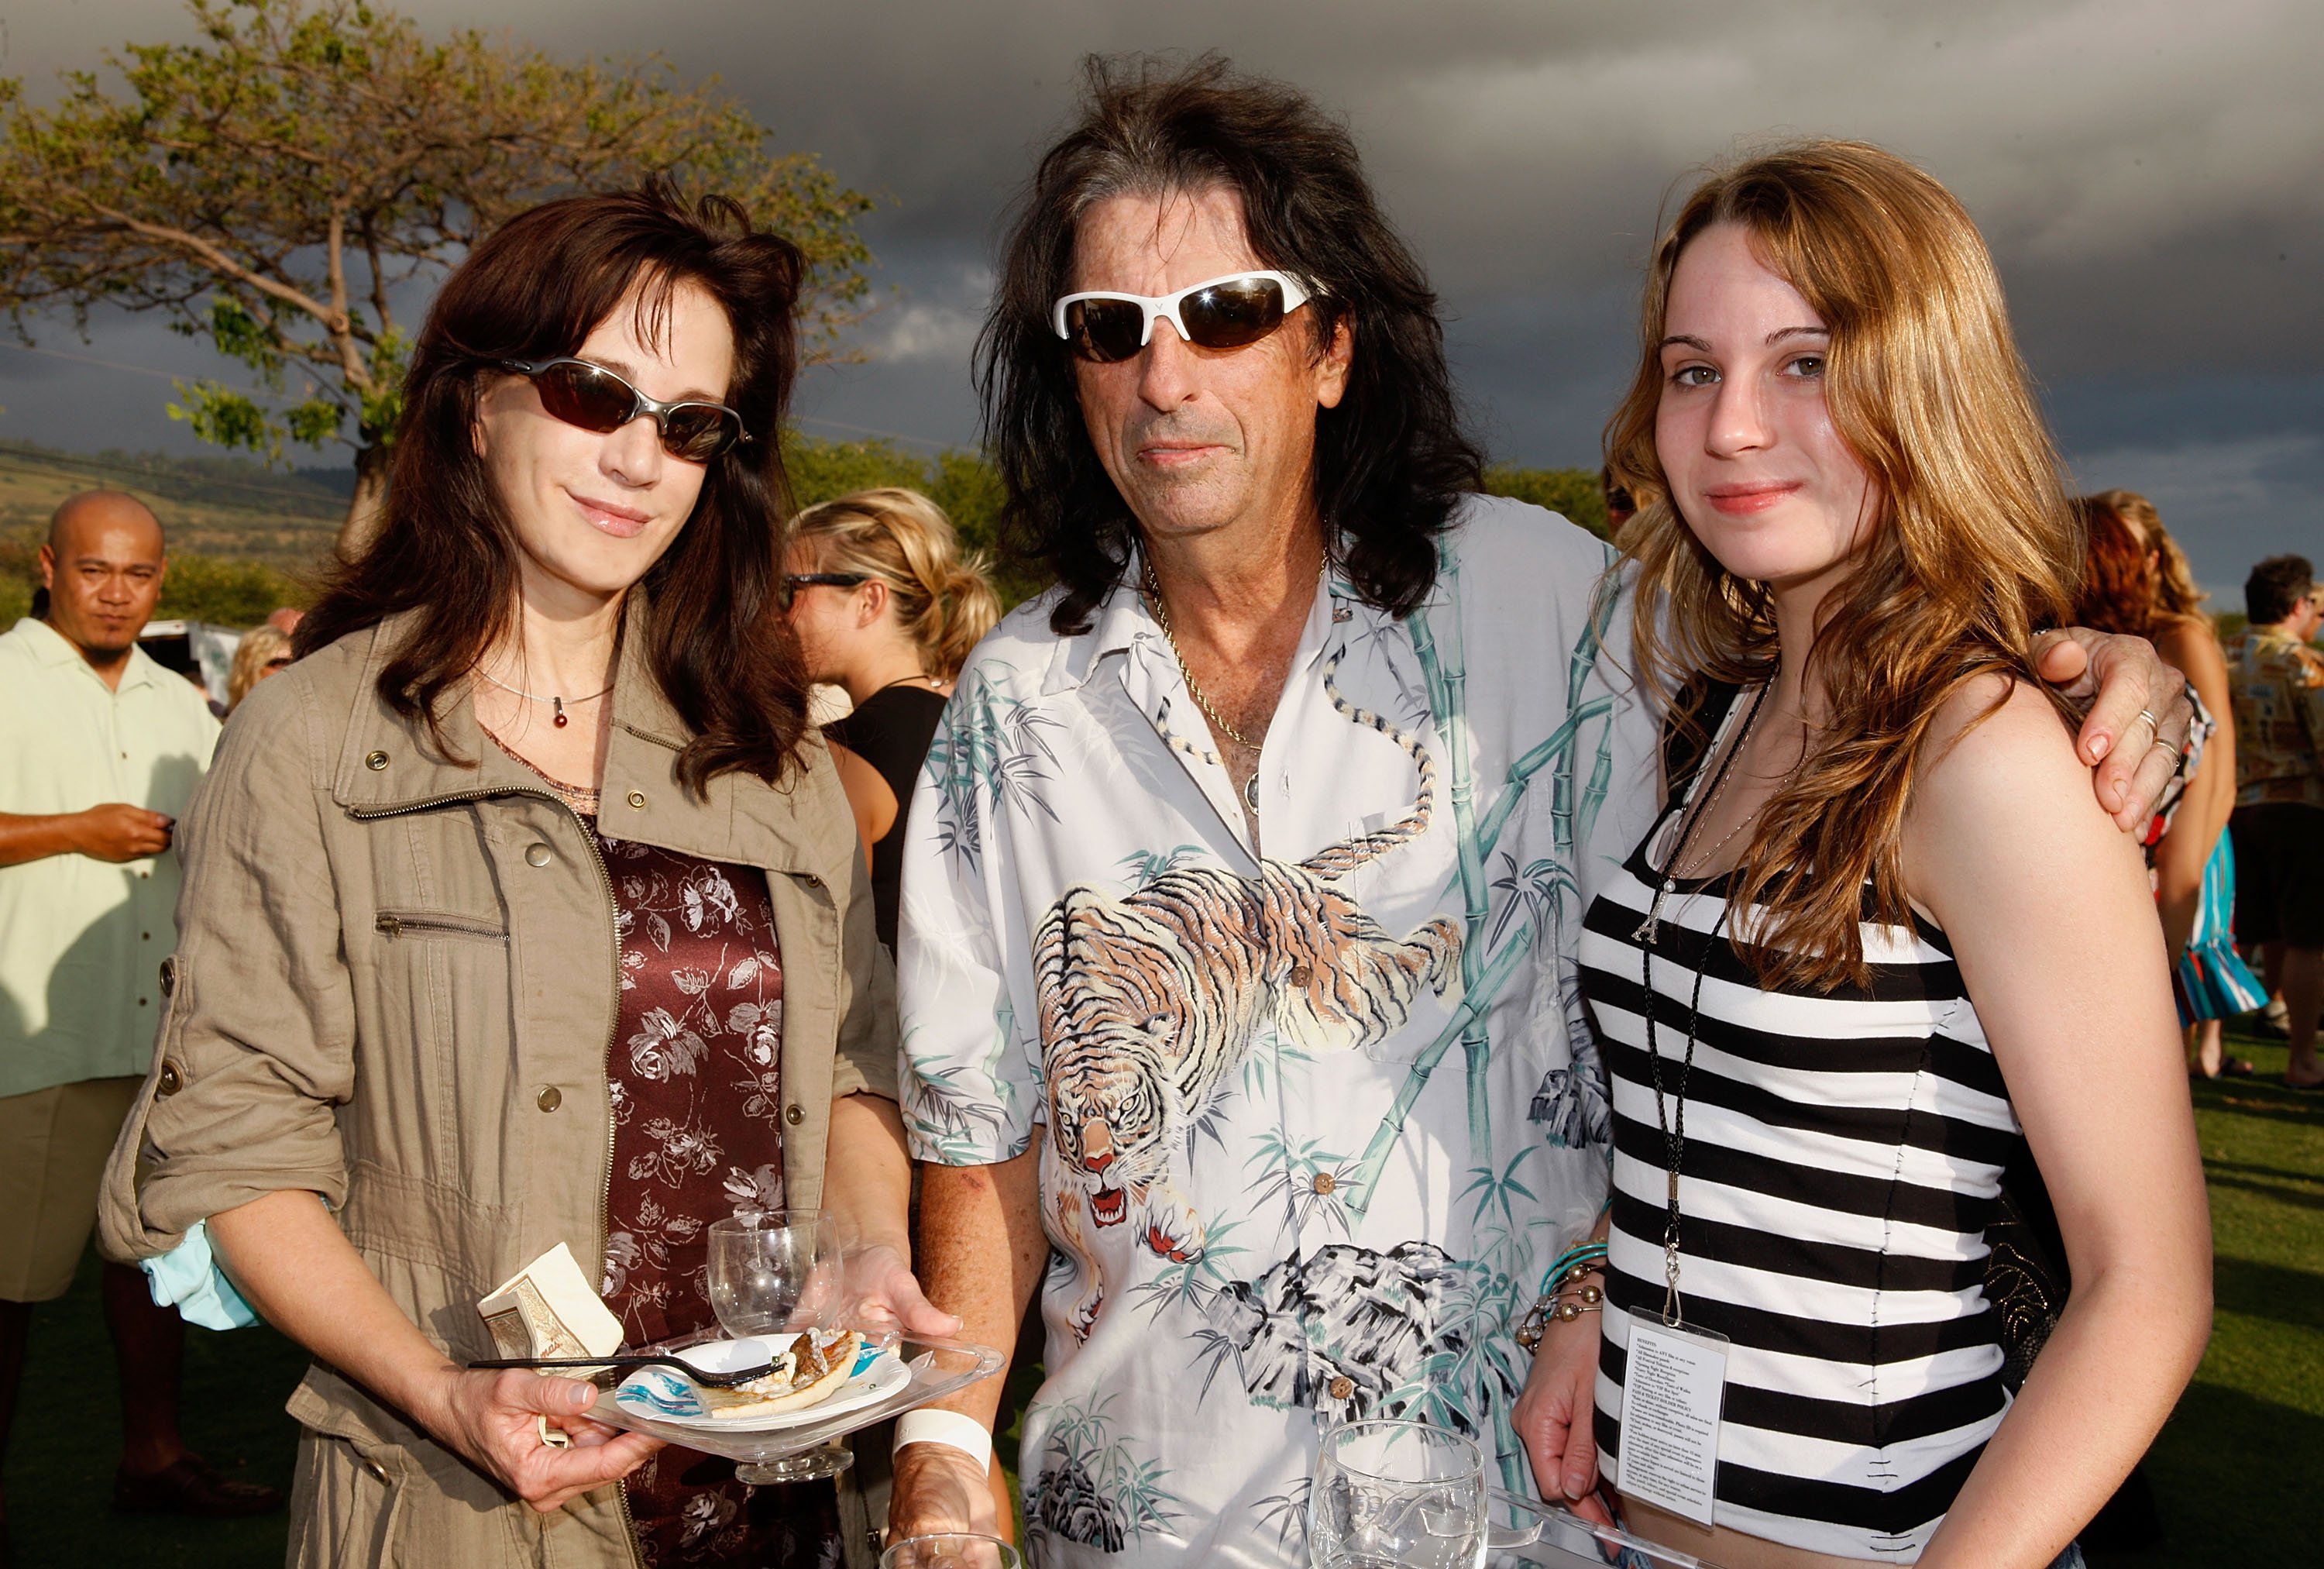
x,y
100,749
263,651
2277,679
1619,508
524,909
2187,847
884,605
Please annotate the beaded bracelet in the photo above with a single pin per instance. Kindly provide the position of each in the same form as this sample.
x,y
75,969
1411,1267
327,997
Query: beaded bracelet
x,y
1566,1293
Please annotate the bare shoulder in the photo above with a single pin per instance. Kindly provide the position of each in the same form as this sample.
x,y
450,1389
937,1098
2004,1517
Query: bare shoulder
x,y
2002,817
1997,746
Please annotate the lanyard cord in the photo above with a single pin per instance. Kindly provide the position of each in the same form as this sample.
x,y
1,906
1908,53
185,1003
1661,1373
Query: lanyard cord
x,y
1649,937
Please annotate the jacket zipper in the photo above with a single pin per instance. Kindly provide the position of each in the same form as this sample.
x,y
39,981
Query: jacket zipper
x,y
396,926
606,1194
612,1025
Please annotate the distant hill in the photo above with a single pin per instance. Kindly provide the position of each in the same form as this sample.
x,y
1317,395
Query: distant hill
x,y
214,506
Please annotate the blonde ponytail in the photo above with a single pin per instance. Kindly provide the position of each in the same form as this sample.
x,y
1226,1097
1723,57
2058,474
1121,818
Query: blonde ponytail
x,y
945,602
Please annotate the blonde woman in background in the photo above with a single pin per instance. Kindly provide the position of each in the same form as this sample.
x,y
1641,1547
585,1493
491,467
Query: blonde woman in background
x,y
263,651
885,606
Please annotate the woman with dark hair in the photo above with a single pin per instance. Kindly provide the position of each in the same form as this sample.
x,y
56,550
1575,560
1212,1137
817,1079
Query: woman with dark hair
x,y
525,912
2126,588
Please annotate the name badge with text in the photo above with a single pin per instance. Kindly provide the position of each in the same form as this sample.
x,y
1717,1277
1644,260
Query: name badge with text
x,y
1672,1395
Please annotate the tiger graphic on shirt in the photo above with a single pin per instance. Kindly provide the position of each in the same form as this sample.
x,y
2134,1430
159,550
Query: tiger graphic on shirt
x,y
1148,1002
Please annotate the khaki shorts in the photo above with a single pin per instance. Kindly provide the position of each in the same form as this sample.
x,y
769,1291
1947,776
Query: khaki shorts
x,y
54,1146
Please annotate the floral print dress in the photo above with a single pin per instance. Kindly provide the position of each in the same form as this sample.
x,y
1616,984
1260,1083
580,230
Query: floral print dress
x,y
697,1132
692,1076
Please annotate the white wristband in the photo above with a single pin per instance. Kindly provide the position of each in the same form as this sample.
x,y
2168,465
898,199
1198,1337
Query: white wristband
x,y
966,1433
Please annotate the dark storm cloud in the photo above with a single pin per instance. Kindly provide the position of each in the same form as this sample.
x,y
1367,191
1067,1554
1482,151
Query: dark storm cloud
x,y
2148,175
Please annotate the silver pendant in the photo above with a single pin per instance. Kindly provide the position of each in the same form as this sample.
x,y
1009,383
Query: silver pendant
x,y
1250,792
1646,930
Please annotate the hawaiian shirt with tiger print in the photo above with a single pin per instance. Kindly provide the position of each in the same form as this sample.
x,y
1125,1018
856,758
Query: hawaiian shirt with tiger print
x,y
1312,1122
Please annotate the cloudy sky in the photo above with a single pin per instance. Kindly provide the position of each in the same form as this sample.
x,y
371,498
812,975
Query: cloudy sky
x,y
2149,172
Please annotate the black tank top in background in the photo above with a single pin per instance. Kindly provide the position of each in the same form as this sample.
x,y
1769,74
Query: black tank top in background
x,y
891,730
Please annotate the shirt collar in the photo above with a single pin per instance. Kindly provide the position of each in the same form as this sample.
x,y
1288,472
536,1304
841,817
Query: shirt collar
x,y
1122,621
52,648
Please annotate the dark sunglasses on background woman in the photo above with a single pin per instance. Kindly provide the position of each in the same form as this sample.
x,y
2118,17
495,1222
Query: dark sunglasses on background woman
x,y
795,581
594,399
1227,312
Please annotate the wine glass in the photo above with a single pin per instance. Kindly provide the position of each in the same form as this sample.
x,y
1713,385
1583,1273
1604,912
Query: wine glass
x,y
775,1273
950,1550
1396,1495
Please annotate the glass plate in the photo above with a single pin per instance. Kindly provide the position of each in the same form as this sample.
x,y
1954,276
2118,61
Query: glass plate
x,y
655,1392
936,1366
1564,1540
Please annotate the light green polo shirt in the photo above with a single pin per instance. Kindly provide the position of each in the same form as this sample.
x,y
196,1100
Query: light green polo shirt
x,y
82,940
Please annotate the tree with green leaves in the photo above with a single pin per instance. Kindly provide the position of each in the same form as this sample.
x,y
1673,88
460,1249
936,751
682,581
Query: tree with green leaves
x,y
270,188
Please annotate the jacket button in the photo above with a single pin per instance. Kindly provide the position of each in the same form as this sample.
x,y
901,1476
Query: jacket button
x,y
375,760
637,799
374,1469
1301,975
169,975
549,1099
1340,1388
171,1081
536,855
794,1113
811,881
1324,1183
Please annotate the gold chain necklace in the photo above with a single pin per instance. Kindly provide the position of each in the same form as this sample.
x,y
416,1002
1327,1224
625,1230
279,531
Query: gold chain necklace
x,y
1162,617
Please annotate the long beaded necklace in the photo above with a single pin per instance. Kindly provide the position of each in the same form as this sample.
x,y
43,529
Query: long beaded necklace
x,y
1162,618
557,704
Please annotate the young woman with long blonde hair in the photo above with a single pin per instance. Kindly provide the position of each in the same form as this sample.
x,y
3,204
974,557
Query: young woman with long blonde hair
x,y
1881,930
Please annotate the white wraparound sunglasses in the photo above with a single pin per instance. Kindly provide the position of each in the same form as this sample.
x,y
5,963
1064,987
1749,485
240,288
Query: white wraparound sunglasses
x,y
1228,312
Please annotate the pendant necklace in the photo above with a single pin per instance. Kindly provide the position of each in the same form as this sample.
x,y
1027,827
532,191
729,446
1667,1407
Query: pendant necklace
x,y
1162,618
556,704
1700,808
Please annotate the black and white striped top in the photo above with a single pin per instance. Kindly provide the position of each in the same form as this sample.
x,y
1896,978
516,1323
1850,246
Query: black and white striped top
x,y
1842,1155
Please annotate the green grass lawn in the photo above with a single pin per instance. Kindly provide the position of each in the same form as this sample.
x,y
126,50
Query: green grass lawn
x,y
2234,1472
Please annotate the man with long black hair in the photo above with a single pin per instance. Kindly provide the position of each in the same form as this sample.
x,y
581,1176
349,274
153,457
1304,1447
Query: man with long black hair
x,y
1242,863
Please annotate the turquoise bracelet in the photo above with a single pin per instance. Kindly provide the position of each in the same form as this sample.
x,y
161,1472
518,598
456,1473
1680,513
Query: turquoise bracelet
x,y
1580,1253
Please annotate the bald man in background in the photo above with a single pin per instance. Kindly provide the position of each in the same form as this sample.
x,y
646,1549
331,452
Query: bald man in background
x,y
100,749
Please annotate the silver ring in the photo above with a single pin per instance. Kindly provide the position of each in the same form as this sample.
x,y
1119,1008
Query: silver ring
x,y
2154,725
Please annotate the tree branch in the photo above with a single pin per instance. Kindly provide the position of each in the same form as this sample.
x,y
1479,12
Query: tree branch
x,y
218,261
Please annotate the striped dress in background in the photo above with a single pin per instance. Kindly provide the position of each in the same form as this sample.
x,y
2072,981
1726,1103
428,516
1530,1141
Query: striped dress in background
x,y
1843,1151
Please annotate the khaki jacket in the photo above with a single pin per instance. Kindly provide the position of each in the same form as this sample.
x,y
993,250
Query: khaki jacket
x,y
395,985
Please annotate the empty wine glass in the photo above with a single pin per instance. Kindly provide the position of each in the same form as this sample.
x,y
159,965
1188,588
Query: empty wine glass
x,y
774,1273
1396,1495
